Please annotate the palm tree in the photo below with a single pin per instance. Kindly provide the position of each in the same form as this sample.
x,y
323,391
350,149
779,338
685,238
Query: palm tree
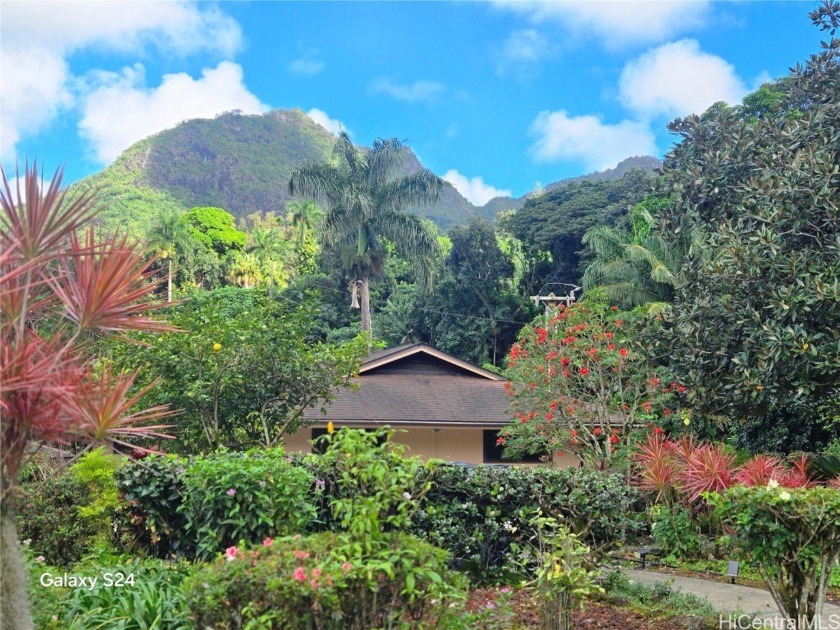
x,y
304,215
170,236
267,246
634,268
366,201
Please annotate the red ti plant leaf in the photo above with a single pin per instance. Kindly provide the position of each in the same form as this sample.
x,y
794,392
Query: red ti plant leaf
x,y
708,469
101,410
760,470
36,222
103,285
797,475
36,380
657,467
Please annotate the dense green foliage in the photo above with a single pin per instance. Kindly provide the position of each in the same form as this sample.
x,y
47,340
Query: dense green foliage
x,y
140,596
792,537
556,221
243,497
755,326
480,514
475,514
242,366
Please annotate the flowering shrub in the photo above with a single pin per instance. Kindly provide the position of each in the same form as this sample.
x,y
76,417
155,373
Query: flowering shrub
x,y
370,575
244,496
582,381
792,536
198,507
320,581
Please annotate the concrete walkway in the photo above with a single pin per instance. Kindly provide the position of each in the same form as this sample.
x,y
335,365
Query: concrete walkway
x,y
725,598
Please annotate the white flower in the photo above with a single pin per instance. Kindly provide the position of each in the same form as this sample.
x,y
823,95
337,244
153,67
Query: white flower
x,y
784,495
772,484
407,496
40,559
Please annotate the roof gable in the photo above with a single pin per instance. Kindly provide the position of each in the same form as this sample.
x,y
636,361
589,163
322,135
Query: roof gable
x,y
422,358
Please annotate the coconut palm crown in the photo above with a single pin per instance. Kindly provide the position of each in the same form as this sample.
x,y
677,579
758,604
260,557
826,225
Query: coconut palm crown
x,y
366,200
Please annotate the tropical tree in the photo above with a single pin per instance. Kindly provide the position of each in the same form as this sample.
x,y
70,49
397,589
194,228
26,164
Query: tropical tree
x,y
304,216
366,202
171,238
635,266
61,288
269,249
754,331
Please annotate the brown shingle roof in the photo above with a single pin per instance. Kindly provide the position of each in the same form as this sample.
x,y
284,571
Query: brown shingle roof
x,y
416,384
419,399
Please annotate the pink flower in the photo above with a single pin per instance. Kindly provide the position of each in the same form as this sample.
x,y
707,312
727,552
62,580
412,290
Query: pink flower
x,y
316,572
300,555
299,574
231,553
231,492
267,542
314,583
506,590
346,566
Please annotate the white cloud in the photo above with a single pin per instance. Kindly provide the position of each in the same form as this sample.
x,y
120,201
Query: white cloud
x,y
306,67
522,48
678,79
33,89
417,91
123,111
474,189
36,39
618,22
589,140
332,125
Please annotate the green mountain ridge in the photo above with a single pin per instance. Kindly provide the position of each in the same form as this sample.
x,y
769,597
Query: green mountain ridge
x,y
242,163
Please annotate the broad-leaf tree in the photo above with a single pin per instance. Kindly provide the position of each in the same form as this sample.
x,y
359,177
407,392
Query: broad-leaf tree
x,y
366,199
243,367
755,326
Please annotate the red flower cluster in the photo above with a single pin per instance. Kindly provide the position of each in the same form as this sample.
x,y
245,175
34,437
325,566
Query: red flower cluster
x,y
584,371
542,335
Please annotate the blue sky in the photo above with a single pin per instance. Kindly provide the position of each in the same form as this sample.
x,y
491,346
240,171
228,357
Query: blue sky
x,y
492,96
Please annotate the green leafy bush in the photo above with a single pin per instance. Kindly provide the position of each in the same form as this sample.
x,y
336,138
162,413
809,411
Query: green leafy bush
x,y
477,513
675,531
231,497
196,507
322,581
72,514
152,491
792,535
371,575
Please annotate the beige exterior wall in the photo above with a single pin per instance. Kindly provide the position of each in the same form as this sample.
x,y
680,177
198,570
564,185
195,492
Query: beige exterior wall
x,y
449,444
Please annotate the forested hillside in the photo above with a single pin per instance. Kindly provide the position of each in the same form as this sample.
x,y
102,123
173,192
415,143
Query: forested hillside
x,y
243,164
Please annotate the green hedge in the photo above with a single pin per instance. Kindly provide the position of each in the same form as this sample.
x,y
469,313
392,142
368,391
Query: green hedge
x,y
473,513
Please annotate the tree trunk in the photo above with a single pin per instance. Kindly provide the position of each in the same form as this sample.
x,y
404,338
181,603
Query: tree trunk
x,y
169,282
365,303
14,606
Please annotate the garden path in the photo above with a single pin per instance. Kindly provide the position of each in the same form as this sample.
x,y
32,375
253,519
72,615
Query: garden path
x,y
725,598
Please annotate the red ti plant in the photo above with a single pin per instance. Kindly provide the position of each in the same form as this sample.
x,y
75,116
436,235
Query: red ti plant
x,y
686,469
59,291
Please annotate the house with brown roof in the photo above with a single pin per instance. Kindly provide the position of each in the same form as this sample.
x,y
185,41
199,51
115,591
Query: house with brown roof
x,y
439,406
